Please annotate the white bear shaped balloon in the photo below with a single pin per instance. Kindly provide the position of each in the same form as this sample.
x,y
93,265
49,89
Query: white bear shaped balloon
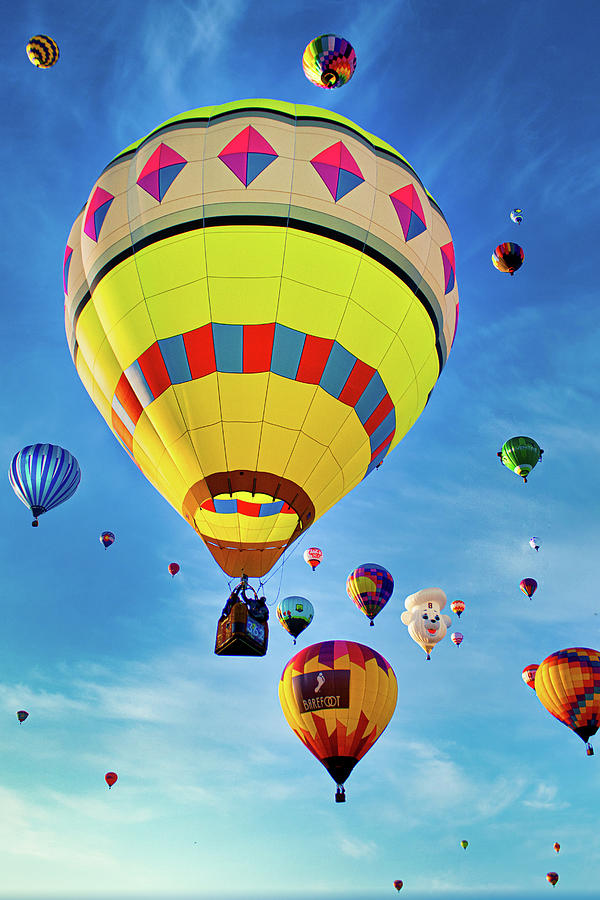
x,y
427,625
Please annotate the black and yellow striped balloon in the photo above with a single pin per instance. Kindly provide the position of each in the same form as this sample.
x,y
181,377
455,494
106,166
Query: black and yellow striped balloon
x,y
42,51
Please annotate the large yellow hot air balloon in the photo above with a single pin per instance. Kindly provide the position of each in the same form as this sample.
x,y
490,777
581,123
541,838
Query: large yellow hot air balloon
x,y
260,298
338,697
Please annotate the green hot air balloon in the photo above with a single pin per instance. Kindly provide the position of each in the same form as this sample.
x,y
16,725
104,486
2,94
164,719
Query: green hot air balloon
x,y
295,614
464,844
520,455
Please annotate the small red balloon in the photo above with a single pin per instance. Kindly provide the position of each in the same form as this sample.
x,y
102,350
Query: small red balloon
x,y
528,675
110,778
173,569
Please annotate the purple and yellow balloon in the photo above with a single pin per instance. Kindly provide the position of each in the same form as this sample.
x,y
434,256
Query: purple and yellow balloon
x,y
370,587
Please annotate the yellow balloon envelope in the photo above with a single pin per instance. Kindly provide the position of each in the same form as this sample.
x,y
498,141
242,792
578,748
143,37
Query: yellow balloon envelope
x,y
259,298
338,697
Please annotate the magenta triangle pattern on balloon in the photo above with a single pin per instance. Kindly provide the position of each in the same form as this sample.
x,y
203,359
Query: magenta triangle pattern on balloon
x,y
409,211
447,252
247,155
96,212
160,171
338,169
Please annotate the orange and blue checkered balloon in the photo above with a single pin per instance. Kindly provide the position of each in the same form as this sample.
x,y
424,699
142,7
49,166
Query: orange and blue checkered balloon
x,y
370,587
567,683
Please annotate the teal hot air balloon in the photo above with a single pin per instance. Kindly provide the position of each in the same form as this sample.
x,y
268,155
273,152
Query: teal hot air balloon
x,y
43,476
295,614
520,455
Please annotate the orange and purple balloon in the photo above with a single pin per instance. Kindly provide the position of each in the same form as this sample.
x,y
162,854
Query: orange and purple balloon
x,y
370,587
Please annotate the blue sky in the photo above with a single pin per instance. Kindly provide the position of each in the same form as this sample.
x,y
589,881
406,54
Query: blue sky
x,y
495,106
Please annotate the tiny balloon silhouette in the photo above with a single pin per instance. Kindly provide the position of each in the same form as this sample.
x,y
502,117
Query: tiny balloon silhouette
x,y
173,569
22,715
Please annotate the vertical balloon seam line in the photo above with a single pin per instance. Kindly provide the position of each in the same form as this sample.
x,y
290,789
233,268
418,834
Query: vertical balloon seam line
x,y
208,296
276,317
131,187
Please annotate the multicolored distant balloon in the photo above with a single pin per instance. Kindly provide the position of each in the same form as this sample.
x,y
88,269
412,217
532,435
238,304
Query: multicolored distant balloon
x,y
520,454
556,847
552,877
42,51
458,607
43,476
528,676
329,61
508,257
107,538
426,623
22,714
276,377
338,697
370,587
313,557
534,543
456,638
516,216
528,586
295,614
110,778
464,844
173,569
398,884
567,684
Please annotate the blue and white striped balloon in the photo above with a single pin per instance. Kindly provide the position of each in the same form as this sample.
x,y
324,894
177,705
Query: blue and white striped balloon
x,y
43,476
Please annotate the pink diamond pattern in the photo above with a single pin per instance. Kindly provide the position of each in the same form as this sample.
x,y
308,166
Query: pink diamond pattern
x,y
247,155
338,169
96,212
160,171
447,252
409,211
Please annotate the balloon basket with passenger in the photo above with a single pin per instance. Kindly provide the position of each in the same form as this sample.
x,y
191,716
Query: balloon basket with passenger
x,y
243,628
